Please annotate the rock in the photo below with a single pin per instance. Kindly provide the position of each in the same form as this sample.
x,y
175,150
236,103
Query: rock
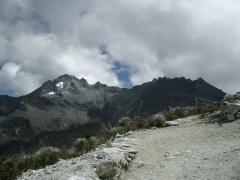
x,y
132,156
231,108
237,96
76,178
238,115
120,145
230,117
107,169
229,98
118,135
215,116
127,134
140,164
172,123
99,156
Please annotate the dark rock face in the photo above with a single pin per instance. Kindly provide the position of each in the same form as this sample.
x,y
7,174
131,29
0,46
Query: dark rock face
x,y
159,94
67,107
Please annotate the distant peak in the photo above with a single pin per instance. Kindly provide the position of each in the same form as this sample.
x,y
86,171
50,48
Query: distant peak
x,y
200,79
83,80
66,76
98,84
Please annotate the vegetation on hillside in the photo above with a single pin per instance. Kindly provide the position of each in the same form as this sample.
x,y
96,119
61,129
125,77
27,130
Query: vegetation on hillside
x,y
10,168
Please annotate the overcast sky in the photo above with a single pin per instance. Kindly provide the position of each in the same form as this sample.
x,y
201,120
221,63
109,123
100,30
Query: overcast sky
x,y
118,42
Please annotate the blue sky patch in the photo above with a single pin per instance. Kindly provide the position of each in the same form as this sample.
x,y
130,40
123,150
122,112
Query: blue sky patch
x,y
123,75
122,71
4,91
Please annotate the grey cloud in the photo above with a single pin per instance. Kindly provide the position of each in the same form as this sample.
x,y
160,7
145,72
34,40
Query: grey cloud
x,y
152,38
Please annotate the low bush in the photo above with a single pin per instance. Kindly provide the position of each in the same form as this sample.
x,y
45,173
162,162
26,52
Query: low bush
x,y
114,131
141,123
209,108
8,169
83,145
158,120
175,113
205,108
44,156
92,143
124,121
80,144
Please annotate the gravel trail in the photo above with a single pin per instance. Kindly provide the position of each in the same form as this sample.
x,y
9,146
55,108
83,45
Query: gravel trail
x,y
188,151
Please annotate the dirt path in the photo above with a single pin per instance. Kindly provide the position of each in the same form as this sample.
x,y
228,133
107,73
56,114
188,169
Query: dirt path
x,y
189,151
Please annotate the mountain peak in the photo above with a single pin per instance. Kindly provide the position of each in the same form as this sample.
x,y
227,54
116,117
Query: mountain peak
x,y
200,79
66,77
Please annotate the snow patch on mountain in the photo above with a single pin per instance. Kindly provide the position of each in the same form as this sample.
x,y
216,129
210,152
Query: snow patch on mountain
x,y
51,93
60,85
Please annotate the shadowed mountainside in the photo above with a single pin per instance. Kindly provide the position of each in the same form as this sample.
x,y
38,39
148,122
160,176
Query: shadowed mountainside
x,y
66,108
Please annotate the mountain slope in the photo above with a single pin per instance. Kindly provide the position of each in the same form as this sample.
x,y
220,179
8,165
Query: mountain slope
x,y
159,94
67,107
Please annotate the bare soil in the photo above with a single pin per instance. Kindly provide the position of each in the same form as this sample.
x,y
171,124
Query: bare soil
x,y
190,151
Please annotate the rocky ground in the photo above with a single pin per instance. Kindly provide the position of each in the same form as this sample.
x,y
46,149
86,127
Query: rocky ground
x,y
106,162
192,150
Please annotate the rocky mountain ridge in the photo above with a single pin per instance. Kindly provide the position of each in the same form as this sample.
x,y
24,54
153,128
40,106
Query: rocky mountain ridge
x,y
66,108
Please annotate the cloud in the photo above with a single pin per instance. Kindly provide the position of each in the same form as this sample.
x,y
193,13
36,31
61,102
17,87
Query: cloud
x,y
13,78
44,39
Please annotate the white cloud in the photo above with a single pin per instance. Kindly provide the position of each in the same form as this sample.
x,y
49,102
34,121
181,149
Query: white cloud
x,y
152,38
13,78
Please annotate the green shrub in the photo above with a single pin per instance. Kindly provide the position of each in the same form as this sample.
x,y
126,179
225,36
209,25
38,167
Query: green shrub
x,y
159,120
209,108
142,123
43,157
175,113
114,131
132,126
179,112
8,169
68,153
92,143
80,144
123,121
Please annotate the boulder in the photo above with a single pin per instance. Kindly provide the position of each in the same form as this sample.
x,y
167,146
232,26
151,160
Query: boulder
x,y
238,115
229,98
172,123
230,117
215,116
231,108
237,96
108,169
